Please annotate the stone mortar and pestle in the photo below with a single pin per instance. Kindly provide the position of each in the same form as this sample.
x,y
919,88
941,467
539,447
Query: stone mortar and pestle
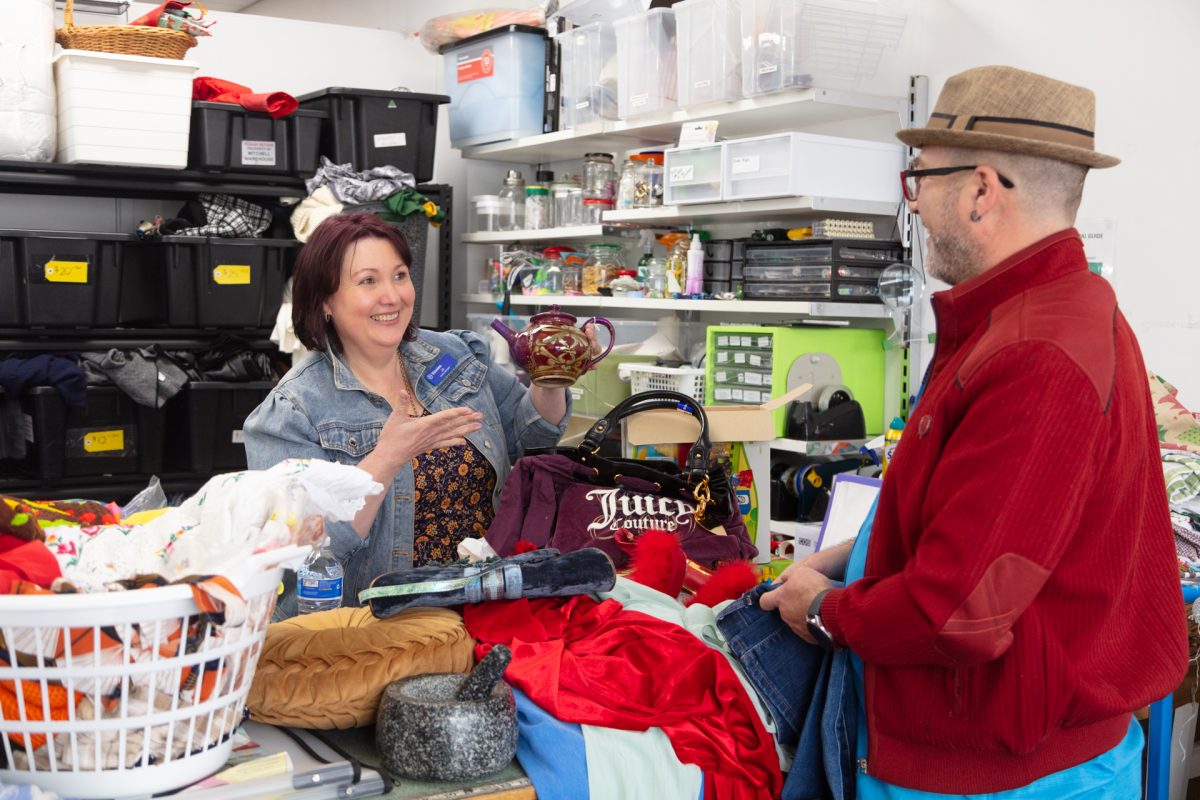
x,y
448,727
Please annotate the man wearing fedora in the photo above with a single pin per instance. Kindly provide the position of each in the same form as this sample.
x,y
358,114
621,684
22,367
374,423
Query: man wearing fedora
x,y
1015,597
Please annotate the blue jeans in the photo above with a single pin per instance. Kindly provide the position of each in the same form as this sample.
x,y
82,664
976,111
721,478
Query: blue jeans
x,y
808,692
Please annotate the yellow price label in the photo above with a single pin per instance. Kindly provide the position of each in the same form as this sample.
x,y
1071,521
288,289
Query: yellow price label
x,y
103,441
232,274
66,271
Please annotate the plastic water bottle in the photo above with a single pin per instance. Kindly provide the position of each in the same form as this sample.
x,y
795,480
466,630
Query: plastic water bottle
x,y
319,581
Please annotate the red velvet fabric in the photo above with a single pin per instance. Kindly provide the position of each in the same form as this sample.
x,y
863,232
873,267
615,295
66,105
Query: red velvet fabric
x,y
216,90
596,663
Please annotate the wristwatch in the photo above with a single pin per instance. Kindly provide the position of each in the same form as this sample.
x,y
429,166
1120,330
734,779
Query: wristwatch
x,y
816,626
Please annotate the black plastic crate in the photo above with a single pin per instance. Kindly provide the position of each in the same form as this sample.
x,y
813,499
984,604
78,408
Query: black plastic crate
x,y
371,128
205,425
225,136
218,283
55,279
112,435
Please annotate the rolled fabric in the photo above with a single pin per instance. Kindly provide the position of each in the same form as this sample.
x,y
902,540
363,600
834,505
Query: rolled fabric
x,y
541,573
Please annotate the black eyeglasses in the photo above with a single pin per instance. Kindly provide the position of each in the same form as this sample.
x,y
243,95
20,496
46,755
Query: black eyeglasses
x,y
909,178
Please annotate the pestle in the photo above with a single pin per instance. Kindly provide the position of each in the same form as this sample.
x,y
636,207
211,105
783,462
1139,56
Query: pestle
x,y
478,685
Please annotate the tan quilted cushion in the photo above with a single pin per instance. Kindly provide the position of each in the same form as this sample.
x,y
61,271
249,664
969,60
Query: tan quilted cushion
x,y
329,669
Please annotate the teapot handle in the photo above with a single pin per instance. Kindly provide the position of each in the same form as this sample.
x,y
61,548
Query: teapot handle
x,y
612,338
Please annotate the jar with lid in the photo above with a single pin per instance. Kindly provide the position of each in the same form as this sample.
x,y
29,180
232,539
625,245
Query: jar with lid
x,y
656,278
553,275
537,208
486,212
572,272
648,186
601,267
561,211
627,184
599,186
512,202
626,284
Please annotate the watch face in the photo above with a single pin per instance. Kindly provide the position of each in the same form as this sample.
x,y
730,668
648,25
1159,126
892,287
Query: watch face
x,y
821,636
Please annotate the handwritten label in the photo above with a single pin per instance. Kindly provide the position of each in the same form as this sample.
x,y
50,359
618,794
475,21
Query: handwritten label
x,y
639,100
743,164
66,271
103,441
231,274
682,173
391,139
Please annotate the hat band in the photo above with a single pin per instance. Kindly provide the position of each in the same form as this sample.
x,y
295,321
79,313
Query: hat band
x,y
1050,132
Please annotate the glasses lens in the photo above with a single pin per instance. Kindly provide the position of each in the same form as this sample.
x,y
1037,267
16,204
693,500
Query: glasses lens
x,y
910,187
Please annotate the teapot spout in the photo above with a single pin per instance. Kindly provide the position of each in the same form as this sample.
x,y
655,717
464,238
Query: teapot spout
x,y
505,331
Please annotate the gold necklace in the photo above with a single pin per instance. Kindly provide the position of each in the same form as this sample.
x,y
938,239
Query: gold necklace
x,y
414,408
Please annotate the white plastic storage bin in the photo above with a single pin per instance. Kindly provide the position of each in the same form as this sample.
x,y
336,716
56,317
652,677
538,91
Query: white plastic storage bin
x,y
831,43
589,75
709,51
119,109
496,83
692,174
792,164
646,80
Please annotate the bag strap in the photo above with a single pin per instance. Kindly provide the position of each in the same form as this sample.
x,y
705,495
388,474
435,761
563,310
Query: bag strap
x,y
696,465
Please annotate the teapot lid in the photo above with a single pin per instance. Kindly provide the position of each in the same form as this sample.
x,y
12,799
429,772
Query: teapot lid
x,y
553,314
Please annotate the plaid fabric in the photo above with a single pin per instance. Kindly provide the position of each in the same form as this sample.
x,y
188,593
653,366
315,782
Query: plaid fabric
x,y
230,217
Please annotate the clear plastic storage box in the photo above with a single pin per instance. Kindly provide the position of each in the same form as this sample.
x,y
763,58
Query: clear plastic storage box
x,y
496,83
793,164
588,92
710,56
118,109
646,80
831,43
692,174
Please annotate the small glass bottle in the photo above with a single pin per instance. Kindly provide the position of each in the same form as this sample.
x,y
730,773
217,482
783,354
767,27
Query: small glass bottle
x,y
552,270
537,208
656,278
561,214
512,202
599,187
627,185
649,185
572,274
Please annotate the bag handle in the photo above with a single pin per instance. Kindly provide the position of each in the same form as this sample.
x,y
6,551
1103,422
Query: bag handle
x,y
696,464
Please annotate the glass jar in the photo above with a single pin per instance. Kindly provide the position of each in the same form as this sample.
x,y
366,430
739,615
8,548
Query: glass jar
x,y
486,212
599,187
603,264
552,268
512,202
562,214
572,274
627,185
537,208
648,187
656,278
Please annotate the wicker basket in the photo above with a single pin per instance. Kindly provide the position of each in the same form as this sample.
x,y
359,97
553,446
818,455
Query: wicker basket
x,y
130,40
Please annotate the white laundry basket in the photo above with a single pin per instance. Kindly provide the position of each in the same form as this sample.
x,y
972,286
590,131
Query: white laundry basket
x,y
135,748
646,377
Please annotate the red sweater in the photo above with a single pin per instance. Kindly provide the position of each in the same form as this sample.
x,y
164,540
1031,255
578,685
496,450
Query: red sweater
x,y
1020,596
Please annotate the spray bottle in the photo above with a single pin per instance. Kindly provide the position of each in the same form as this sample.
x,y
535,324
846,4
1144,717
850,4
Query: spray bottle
x,y
695,267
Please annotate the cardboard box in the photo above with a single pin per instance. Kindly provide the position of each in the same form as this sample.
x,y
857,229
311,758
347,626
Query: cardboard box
x,y
725,423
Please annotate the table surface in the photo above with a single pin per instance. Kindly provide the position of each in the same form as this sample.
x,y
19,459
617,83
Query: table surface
x,y
510,783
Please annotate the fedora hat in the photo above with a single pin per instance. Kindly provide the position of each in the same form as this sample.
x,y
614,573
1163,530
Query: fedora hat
x,y
1013,111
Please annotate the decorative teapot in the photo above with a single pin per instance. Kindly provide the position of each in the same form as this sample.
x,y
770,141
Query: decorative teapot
x,y
552,349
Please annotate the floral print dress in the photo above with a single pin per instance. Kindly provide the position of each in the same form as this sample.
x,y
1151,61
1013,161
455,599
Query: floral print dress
x,y
452,501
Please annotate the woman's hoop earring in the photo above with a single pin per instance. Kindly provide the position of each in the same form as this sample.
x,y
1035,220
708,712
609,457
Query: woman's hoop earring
x,y
328,317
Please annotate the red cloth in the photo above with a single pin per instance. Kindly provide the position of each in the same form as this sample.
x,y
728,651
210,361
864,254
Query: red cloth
x,y
216,90
26,561
599,664
1020,596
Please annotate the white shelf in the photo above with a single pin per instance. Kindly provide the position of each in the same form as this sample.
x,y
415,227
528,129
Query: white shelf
x,y
754,210
792,110
503,237
767,308
831,447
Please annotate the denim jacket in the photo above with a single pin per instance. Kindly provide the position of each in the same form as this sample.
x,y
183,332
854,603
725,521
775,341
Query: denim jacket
x,y
321,410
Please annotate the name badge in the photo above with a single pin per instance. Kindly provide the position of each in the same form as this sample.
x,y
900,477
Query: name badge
x,y
440,369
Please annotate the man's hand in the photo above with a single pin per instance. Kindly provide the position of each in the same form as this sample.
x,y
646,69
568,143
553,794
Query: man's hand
x,y
796,588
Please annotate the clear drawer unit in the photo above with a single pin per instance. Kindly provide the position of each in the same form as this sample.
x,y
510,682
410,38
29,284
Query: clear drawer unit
x,y
808,164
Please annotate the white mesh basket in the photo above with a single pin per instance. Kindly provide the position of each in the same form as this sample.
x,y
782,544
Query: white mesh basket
x,y
135,723
685,380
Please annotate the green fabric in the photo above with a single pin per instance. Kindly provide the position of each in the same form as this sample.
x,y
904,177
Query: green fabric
x,y
405,203
1182,471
